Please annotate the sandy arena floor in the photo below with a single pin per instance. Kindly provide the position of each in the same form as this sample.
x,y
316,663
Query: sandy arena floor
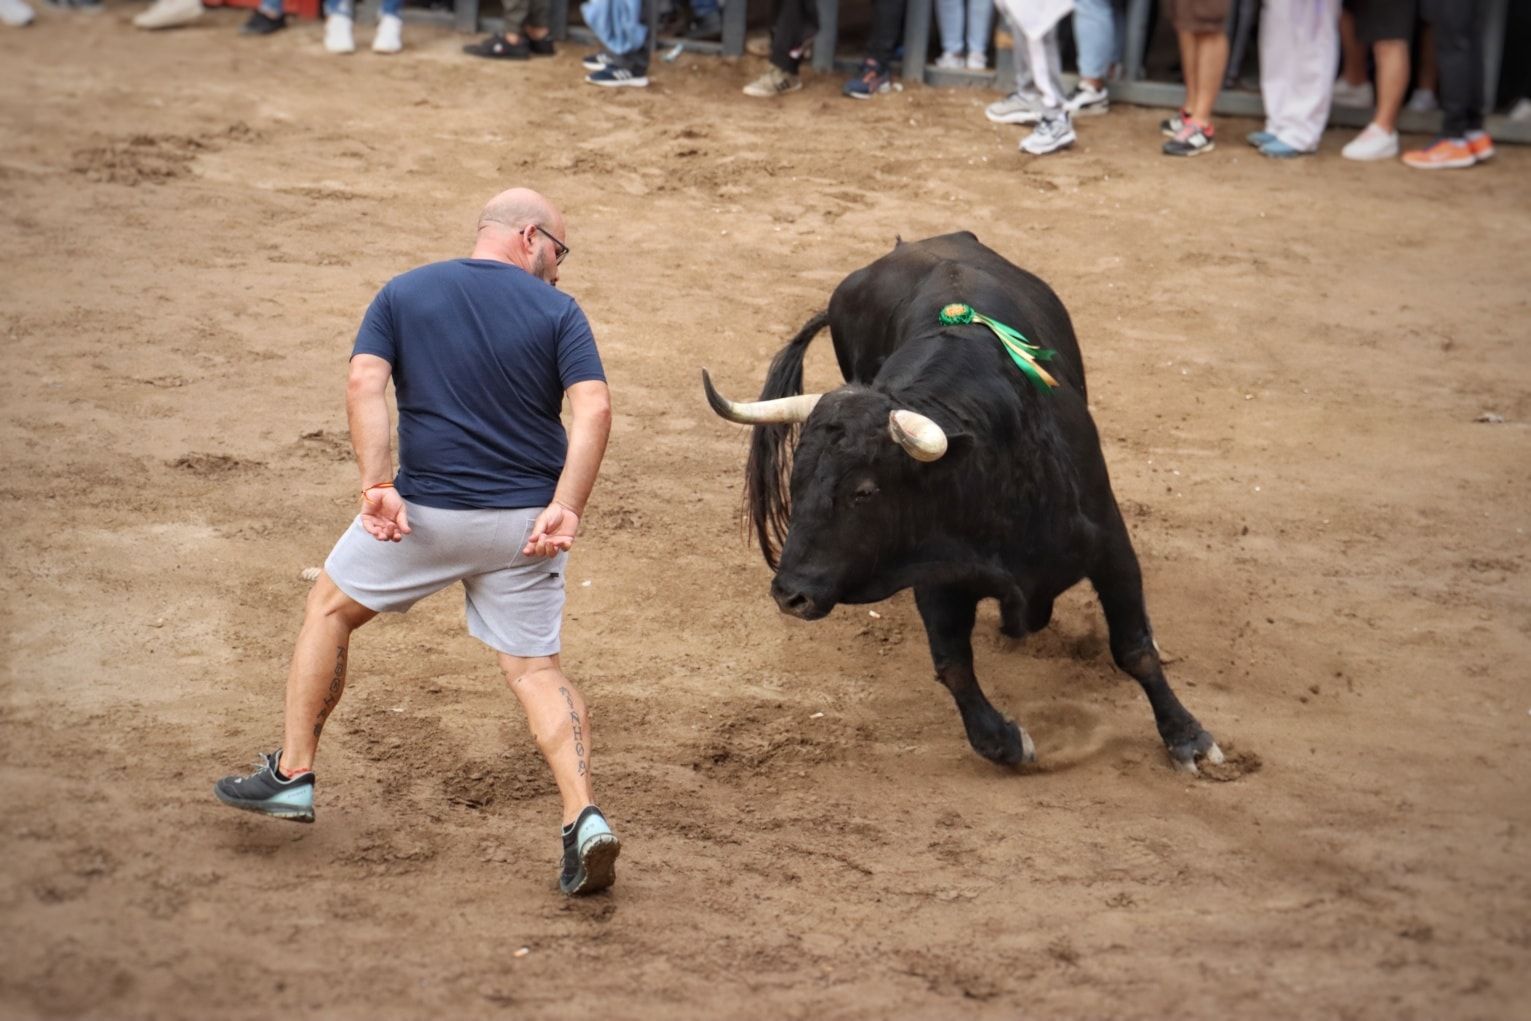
x,y
1288,363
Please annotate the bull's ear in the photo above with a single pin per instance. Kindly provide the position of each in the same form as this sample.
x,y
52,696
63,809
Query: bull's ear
x,y
920,437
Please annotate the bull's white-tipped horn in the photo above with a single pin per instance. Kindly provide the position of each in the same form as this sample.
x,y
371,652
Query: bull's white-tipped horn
x,y
921,438
781,411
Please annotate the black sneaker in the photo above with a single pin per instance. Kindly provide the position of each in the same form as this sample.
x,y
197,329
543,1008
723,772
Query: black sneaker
x,y
268,792
708,26
497,47
261,23
1193,140
541,47
590,852
1170,126
595,61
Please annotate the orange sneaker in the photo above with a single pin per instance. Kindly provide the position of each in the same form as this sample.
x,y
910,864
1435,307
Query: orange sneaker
x,y
1442,154
1480,145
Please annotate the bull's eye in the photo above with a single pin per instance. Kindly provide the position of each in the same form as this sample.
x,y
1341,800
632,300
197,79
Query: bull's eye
x,y
865,490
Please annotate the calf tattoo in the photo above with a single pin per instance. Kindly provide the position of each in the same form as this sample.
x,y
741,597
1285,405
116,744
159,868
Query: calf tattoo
x,y
578,729
337,685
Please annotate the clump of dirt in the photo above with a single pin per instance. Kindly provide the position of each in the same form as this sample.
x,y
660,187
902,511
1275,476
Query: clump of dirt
x,y
1237,763
214,465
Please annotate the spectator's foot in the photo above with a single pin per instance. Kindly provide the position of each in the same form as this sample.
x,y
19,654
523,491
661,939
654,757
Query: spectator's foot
x,y
1520,112
1016,108
543,47
17,14
1193,139
1170,126
1346,94
83,6
169,14
497,47
1423,101
1259,138
268,792
950,62
261,23
1442,154
1276,149
595,61
590,852
339,34
775,82
978,61
1053,132
874,80
613,77
1480,145
1374,143
1088,99
389,37
706,26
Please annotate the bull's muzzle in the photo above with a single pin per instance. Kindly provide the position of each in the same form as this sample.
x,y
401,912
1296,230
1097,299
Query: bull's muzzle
x,y
797,602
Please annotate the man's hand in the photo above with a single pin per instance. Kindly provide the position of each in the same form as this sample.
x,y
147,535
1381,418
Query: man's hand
x,y
552,532
383,514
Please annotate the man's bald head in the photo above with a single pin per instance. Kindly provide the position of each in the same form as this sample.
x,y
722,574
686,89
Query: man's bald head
x,y
523,228
517,208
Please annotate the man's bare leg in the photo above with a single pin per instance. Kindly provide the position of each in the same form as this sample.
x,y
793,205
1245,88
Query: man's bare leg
x,y
555,712
317,677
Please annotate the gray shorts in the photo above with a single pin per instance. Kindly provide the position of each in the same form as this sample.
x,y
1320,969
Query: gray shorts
x,y
514,602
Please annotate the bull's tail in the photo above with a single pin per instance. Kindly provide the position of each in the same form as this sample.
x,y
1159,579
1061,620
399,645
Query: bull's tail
x,y
768,473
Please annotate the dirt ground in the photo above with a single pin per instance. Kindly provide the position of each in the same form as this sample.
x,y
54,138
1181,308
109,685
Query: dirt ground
x,y
1287,360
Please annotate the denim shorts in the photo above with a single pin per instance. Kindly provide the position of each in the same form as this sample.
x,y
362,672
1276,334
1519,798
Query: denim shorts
x,y
514,602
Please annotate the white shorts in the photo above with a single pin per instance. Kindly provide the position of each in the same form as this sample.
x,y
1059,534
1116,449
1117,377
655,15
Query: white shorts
x,y
514,602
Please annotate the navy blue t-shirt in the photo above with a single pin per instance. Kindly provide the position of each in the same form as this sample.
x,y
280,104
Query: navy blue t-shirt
x,y
482,353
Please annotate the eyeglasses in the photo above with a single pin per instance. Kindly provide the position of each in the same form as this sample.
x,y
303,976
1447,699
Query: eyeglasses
x,y
561,248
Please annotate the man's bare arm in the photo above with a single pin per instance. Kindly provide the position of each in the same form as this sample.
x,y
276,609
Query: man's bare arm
x,y
383,514
555,527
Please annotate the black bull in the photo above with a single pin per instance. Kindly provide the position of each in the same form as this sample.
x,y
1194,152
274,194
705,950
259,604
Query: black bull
x,y
938,465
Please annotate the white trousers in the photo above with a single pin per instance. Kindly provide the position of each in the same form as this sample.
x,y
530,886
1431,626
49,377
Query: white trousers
x,y
1299,57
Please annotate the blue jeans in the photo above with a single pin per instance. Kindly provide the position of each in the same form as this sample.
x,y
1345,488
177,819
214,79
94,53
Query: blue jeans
x,y
1098,35
980,17
348,7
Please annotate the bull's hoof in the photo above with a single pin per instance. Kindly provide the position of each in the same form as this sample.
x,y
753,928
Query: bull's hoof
x,y
1009,745
1185,753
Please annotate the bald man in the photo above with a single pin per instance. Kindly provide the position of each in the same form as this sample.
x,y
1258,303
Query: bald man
x,y
489,492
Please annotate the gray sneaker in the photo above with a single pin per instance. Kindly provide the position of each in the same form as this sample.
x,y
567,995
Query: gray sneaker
x,y
1016,108
775,82
590,852
268,792
1053,132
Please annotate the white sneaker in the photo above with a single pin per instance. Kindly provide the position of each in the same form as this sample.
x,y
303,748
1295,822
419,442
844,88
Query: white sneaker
x,y
1423,101
977,62
339,34
390,34
1051,134
1346,94
16,13
1521,111
1088,99
950,62
169,14
1015,109
1372,144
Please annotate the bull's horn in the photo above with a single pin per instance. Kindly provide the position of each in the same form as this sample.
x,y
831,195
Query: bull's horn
x,y
781,411
921,438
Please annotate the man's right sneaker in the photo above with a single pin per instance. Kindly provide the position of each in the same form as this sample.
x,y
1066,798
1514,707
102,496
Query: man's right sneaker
x,y
1088,99
612,76
1193,140
1442,154
1375,143
1480,145
950,62
18,14
339,34
268,792
1016,108
873,79
590,852
1053,132
169,14
775,82
1170,126
261,23
595,61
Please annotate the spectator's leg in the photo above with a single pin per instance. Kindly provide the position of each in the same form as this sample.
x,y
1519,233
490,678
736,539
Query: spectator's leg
x,y
949,23
537,24
516,13
887,30
1211,60
1392,56
1188,64
1458,52
980,26
1352,52
789,28
1095,34
1025,80
1299,51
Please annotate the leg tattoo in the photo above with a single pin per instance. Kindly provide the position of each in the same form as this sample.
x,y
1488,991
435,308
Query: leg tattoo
x,y
578,730
337,685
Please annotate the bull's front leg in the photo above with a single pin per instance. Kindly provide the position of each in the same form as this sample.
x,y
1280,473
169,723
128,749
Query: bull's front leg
x,y
949,614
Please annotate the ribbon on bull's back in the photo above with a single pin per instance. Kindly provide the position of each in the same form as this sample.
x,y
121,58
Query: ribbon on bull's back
x,y
1026,355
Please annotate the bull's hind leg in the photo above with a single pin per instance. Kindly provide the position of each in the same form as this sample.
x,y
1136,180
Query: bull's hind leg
x,y
1119,583
949,614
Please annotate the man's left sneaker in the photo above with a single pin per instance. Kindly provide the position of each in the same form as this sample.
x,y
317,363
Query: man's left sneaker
x,y
1053,132
268,792
873,80
169,14
1088,99
590,852
389,37
339,34
1480,145
611,76
261,23
1442,154
1193,139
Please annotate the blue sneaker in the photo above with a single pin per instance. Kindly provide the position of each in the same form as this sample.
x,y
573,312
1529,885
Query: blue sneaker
x,y
1259,138
268,792
873,80
590,852
615,76
1276,149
